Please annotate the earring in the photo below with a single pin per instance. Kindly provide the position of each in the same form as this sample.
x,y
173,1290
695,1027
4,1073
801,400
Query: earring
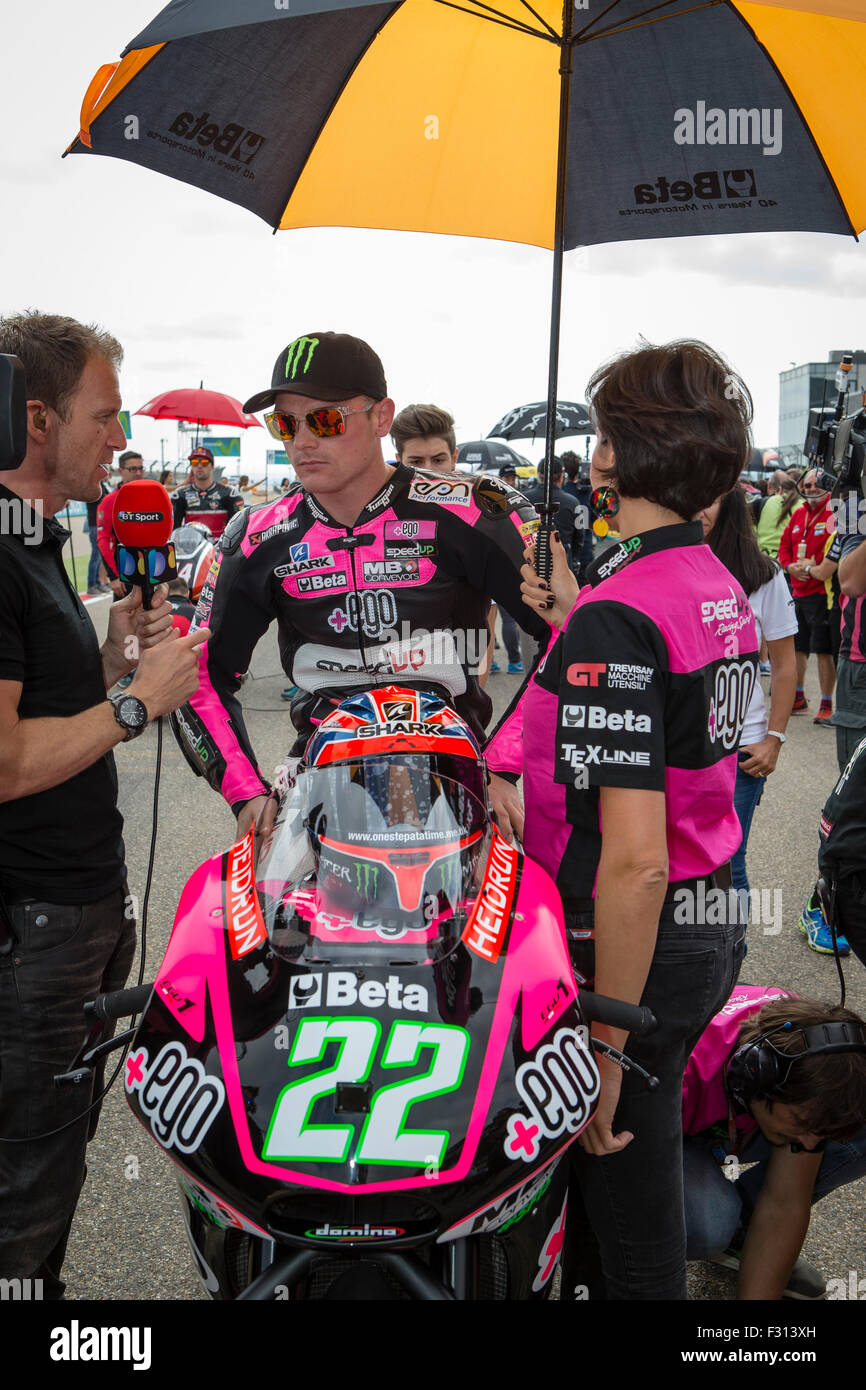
x,y
605,503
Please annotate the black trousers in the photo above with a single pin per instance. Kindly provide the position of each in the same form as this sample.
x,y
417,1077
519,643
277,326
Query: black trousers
x,y
625,1232
63,956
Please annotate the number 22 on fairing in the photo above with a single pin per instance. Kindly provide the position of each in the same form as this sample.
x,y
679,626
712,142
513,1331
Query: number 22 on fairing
x,y
383,1137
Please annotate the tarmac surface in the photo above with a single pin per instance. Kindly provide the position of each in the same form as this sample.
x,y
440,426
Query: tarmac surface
x,y
128,1240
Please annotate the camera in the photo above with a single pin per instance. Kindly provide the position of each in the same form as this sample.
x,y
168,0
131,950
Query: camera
x,y
835,443
13,412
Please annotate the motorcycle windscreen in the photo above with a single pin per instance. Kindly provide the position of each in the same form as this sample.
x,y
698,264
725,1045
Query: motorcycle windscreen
x,y
368,853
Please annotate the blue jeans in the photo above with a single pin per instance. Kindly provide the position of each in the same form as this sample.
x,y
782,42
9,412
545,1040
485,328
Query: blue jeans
x,y
625,1235
95,560
510,636
747,793
717,1208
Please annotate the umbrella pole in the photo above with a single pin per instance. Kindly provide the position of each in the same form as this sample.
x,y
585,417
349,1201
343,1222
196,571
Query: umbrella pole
x,y
547,511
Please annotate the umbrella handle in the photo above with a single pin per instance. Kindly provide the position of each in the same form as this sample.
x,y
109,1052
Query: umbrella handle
x,y
543,552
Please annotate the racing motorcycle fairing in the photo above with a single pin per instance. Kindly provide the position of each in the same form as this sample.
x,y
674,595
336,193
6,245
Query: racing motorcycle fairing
x,y
372,1036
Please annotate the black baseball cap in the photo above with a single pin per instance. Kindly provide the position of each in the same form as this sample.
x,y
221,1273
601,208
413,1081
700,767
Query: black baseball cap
x,y
200,454
506,469
326,366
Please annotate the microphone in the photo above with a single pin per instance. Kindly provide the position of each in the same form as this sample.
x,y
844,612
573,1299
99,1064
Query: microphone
x,y
143,524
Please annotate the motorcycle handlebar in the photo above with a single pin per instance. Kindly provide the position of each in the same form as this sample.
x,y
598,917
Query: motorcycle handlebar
x,y
634,1018
121,1003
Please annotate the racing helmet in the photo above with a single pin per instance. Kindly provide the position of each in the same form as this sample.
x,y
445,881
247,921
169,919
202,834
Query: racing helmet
x,y
396,812
194,550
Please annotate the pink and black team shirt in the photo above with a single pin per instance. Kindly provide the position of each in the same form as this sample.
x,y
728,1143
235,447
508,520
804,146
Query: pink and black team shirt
x,y
647,686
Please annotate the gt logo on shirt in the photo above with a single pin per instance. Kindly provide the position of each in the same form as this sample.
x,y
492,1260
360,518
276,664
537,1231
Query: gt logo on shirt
x,y
597,717
585,672
313,583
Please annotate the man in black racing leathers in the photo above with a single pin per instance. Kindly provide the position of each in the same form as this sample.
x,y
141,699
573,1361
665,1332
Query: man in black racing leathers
x,y
376,575
214,504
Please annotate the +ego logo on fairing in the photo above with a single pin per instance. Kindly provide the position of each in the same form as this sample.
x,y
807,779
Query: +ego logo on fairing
x,y
177,1095
597,717
343,988
729,702
558,1087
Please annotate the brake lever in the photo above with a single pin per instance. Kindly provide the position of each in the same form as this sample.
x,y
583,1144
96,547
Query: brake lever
x,y
625,1063
82,1067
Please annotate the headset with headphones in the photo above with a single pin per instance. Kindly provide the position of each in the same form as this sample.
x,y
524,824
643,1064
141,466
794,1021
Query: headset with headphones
x,y
759,1068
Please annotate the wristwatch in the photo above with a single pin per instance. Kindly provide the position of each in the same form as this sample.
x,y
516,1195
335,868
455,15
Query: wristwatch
x,y
783,738
130,713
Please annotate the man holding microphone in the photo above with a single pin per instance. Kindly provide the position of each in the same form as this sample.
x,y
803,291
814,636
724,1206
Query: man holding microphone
x,y
66,933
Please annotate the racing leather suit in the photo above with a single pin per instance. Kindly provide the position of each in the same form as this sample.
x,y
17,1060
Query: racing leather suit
x,y
214,507
400,597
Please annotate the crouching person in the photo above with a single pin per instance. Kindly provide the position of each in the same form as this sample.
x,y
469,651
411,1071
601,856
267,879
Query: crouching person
x,y
778,1083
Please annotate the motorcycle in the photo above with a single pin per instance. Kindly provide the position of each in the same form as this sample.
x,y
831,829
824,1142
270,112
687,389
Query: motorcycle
x,y
365,1050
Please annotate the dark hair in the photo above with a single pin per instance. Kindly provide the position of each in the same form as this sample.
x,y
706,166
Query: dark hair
x,y
54,351
570,463
124,458
733,541
557,470
422,422
828,1091
678,419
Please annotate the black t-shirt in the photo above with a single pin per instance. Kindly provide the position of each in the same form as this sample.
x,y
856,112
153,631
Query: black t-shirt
x,y
62,844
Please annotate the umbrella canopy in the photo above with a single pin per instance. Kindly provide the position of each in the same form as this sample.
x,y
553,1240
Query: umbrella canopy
x,y
530,421
198,407
485,457
683,118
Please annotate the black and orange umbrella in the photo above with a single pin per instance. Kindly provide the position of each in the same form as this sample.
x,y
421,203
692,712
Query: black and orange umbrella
x,y
556,124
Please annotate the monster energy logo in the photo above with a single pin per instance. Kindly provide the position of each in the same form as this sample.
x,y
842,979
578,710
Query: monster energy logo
x,y
367,879
294,353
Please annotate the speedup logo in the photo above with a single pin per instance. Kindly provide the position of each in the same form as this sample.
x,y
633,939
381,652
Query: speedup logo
x,y
232,140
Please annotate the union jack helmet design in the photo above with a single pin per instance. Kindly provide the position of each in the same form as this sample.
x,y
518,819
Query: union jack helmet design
x,y
387,721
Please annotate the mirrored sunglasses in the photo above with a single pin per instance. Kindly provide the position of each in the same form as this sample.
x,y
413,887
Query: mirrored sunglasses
x,y
324,423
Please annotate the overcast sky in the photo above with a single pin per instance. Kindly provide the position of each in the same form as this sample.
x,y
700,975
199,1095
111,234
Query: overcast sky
x,y
195,287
